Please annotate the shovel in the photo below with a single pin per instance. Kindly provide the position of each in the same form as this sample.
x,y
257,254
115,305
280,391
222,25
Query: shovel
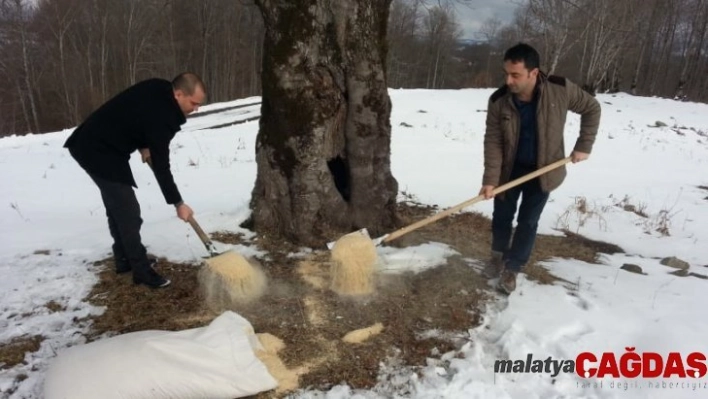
x,y
405,230
205,238
198,229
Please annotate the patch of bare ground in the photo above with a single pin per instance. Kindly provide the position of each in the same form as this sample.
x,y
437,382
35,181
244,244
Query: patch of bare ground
x,y
422,314
229,237
13,352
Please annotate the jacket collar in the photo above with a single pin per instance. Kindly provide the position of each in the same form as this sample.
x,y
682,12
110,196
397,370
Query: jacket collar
x,y
542,77
179,115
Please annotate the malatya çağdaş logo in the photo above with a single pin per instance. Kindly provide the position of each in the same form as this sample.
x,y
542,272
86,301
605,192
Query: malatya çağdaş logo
x,y
630,364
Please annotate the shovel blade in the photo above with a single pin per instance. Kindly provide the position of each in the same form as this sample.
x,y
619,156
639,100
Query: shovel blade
x,y
379,240
364,232
215,254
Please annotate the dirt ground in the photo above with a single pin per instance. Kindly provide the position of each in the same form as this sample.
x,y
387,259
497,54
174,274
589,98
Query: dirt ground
x,y
311,319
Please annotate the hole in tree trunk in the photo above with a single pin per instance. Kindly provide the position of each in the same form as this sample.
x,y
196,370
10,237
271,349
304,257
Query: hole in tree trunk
x,y
340,171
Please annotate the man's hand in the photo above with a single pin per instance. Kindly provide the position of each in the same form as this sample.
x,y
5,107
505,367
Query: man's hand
x,y
577,156
487,191
145,154
184,212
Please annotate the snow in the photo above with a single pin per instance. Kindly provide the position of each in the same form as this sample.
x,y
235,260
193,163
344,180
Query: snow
x,y
414,258
54,228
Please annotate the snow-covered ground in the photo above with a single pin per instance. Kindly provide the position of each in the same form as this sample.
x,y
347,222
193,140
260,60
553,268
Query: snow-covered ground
x,y
54,226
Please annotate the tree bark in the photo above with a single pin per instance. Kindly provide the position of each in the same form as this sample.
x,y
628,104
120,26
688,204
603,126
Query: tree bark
x,y
323,147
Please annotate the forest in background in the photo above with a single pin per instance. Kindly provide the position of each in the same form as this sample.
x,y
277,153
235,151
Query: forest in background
x,y
60,59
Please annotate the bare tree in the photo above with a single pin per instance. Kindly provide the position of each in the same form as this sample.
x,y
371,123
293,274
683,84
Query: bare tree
x,y
137,16
98,26
206,16
664,36
489,31
645,19
58,19
403,57
555,20
441,31
15,30
63,58
693,31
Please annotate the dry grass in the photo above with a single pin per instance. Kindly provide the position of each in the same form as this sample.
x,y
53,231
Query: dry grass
x,y
639,208
580,214
13,352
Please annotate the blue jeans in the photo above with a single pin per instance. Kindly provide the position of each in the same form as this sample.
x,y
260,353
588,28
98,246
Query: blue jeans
x,y
533,200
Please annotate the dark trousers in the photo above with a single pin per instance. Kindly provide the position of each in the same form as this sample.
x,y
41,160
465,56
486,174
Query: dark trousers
x,y
517,251
124,222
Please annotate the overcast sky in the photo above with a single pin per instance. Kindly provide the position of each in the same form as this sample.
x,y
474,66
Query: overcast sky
x,y
471,15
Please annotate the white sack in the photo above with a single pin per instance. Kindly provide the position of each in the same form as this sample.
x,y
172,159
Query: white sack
x,y
216,361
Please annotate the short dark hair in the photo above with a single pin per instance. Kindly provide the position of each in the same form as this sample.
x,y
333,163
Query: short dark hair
x,y
188,82
523,52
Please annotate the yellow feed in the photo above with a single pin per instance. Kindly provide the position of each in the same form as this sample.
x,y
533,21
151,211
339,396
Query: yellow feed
x,y
361,335
229,279
353,258
287,379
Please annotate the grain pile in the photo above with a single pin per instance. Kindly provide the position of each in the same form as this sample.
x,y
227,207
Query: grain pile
x,y
353,260
362,334
230,279
287,379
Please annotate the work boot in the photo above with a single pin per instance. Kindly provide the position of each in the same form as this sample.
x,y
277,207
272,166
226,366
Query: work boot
x,y
507,281
122,265
150,278
494,266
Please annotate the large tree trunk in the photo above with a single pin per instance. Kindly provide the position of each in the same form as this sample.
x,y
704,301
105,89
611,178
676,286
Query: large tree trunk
x,y
323,148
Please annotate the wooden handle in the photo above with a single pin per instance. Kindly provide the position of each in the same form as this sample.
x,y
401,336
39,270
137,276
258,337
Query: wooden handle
x,y
497,190
202,235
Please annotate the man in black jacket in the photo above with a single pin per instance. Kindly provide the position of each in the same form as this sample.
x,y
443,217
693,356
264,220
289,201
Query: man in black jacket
x,y
144,117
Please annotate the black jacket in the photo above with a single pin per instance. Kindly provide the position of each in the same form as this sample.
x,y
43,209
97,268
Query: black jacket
x,y
145,115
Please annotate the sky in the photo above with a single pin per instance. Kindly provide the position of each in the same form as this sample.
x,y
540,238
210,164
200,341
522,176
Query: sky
x,y
471,14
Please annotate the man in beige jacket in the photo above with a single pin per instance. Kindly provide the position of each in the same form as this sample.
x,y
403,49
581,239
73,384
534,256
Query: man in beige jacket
x,y
525,122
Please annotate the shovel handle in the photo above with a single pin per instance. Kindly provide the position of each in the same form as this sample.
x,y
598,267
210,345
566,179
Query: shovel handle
x,y
497,190
202,235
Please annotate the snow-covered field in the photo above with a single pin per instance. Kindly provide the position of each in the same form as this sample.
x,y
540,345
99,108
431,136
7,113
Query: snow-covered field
x,y
54,226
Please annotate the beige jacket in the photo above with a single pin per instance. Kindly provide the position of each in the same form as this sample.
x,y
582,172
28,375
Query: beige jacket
x,y
557,96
